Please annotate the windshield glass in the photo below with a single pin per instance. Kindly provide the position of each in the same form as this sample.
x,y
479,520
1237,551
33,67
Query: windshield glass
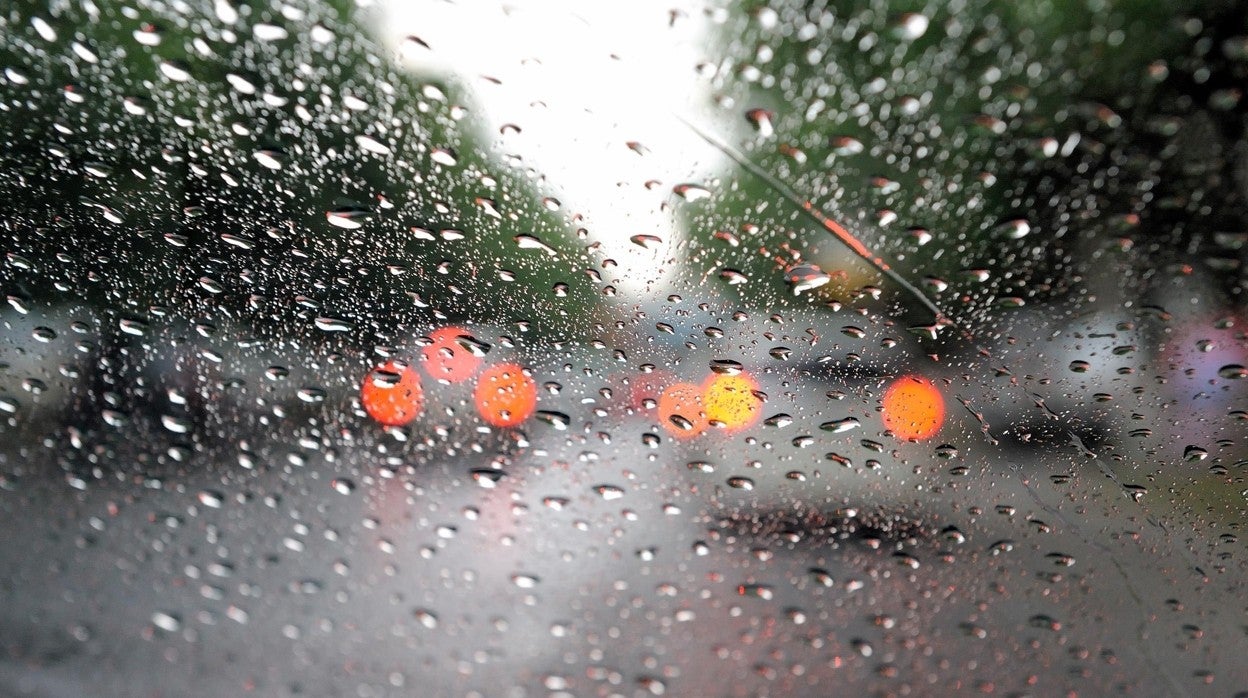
x,y
380,347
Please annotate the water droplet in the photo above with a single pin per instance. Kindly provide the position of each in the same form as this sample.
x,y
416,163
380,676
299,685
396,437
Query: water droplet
x,y
43,28
1194,453
239,241
530,242
805,277
372,145
762,121
487,478
649,242
906,560
847,145
911,26
311,395
137,328
637,147
921,236
175,70
1015,229
609,492
778,420
428,619
210,285
838,458
343,485
838,426
556,503
727,367
758,591
264,31
272,159
1061,559
472,345
884,185
444,156
741,483
988,124
525,581
946,451
953,535
1001,546
169,622
21,305
1233,372
241,84
682,423
331,324
691,192
98,170
177,425
652,685
558,420
412,47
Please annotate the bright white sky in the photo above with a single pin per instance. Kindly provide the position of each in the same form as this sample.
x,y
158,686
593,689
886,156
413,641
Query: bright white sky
x,y
581,80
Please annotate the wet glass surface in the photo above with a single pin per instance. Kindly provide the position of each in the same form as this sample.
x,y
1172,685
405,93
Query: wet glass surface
x,y
526,349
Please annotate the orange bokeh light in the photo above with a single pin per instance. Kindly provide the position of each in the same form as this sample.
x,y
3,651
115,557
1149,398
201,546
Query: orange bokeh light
x,y
446,359
684,402
730,400
505,396
389,401
913,408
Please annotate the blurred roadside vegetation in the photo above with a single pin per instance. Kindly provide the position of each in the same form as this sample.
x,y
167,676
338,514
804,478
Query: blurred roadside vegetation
x,y
186,166
953,131
202,173
997,156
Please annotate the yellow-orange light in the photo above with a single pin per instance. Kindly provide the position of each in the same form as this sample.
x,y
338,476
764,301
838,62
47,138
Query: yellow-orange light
x,y
505,396
913,408
681,410
389,401
730,400
446,359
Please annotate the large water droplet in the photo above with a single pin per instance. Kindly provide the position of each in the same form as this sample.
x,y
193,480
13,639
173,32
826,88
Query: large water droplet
x,y
838,426
805,277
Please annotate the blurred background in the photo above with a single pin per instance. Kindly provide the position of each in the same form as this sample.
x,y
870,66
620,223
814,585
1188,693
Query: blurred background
x,y
733,348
